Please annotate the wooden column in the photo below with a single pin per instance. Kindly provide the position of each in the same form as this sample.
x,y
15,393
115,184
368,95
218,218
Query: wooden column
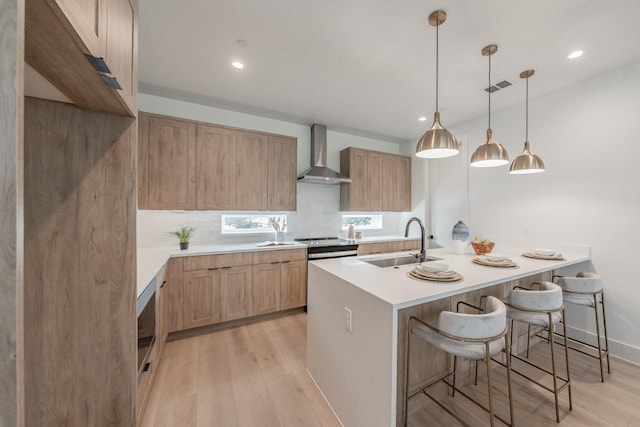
x,y
80,264
11,194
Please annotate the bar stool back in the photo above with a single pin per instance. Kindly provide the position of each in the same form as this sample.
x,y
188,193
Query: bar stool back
x,y
586,290
471,336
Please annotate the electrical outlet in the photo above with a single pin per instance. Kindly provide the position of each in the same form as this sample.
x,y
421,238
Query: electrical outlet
x,y
347,319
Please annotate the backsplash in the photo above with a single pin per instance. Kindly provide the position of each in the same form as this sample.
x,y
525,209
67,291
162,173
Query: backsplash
x,y
318,214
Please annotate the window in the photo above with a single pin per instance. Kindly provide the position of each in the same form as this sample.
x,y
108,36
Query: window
x,y
252,224
362,221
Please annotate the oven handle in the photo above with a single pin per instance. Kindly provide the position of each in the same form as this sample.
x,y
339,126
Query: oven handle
x,y
337,254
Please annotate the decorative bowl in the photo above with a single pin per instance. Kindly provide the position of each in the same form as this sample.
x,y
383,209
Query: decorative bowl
x,y
544,251
434,267
496,257
482,248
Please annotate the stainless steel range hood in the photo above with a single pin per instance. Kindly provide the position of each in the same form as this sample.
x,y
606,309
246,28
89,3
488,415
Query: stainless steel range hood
x,y
319,173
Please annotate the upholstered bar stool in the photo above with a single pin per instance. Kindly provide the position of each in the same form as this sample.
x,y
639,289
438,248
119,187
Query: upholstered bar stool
x,y
542,307
586,290
470,336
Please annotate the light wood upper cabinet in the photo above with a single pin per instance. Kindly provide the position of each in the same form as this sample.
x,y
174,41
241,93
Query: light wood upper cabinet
x,y
251,171
379,181
215,168
172,155
60,36
281,174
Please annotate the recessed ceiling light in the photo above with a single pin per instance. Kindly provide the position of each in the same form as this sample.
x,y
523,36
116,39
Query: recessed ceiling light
x,y
238,65
575,54
422,119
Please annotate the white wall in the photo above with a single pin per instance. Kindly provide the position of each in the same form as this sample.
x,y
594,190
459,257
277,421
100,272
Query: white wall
x,y
587,135
318,205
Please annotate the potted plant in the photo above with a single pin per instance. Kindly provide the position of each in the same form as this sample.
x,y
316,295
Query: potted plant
x,y
183,233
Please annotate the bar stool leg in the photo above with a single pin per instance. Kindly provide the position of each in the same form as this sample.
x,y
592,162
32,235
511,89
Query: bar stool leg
x,y
507,345
453,389
553,370
566,355
606,337
595,309
487,360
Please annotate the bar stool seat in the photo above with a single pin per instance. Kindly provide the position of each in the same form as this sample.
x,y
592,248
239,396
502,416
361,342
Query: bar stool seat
x,y
586,290
543,307
471,336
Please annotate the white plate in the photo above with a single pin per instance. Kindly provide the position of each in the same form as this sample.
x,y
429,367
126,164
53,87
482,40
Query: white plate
x,y
434,267
496,257
544,251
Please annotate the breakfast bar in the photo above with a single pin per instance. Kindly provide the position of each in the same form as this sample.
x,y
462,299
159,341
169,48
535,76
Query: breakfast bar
x,y
357,315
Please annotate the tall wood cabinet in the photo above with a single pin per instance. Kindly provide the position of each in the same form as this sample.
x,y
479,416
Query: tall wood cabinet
x,y
215,167
380,182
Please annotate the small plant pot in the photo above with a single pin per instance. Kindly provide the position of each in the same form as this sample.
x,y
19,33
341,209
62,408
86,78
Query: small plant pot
x,y
184,246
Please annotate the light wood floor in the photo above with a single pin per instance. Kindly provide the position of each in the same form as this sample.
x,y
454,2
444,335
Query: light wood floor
x,y
254,375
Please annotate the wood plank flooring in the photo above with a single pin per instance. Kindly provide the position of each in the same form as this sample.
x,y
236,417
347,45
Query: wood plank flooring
x,y
254,375
248,375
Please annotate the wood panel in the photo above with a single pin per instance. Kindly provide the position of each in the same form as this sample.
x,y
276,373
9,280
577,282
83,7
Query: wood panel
x,y
265,290
293,286
282,173
173,274
215,168
80,264
87,18
201,298
172,157
388,183
251,172
403,183
353,195
269,256
373,181
143,161
235,292
11,216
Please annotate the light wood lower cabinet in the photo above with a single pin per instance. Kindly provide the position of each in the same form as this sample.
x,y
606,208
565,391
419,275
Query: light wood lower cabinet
x,y
235,292
208,289
200,298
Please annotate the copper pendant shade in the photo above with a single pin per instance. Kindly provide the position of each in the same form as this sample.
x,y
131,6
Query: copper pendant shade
x,y
489,154
527,162
437,142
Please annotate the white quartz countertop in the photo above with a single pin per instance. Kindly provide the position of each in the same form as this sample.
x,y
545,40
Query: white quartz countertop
x,y
394,286
151,260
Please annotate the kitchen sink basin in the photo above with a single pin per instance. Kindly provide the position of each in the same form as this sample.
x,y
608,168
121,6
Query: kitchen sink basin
x,y
394,262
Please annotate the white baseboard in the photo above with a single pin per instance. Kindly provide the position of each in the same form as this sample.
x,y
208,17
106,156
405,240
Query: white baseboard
x,y
619,349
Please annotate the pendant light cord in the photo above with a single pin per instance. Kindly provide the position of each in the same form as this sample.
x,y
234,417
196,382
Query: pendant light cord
x,y
526,126
489,89
437,61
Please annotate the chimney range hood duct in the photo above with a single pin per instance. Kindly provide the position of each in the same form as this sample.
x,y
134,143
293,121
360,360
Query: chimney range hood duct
x,y
319,173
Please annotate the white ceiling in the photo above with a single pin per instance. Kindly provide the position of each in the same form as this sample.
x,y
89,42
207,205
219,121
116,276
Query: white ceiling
x,y
368,66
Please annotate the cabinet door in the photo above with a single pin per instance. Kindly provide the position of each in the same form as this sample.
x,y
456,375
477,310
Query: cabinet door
x,y
172,156
282,174
388,183
266,288
374,181
88,20
235,292
161,311
353,195
293,285
251,172
201,298
122,48
215,168
403,183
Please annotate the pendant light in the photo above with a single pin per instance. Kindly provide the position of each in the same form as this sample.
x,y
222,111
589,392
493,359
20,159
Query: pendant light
x,y
527,162
490,153
437,142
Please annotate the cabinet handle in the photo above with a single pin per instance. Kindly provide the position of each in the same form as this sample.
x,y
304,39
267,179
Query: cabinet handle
x,y
284,262
275,262
164,282
146,367
225,268
211,269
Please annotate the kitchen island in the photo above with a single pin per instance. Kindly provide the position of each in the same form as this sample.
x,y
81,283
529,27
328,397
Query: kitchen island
x,y
357,314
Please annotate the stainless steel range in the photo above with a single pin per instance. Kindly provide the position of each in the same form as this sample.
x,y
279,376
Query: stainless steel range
x,y
329,247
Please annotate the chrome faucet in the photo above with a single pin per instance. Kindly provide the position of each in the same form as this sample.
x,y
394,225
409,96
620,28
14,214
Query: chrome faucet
x,y
423,254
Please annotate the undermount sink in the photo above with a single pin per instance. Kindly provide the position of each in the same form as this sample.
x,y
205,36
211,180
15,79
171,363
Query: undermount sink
x,y
394,262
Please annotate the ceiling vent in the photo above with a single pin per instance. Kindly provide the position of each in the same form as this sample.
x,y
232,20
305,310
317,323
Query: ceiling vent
x,y
497,86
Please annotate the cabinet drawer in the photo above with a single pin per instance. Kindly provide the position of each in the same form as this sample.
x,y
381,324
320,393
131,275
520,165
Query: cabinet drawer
x,y
267,257
205,262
